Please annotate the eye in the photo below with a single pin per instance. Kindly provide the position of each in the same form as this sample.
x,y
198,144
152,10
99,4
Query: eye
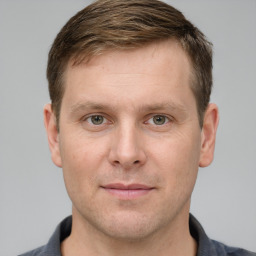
x,y
96,120
158,120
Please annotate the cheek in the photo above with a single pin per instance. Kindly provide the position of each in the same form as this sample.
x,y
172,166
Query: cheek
x,y
180,149
177,160
82,160
82,151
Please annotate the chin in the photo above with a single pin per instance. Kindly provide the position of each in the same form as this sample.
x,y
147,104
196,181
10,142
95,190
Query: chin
x,y
129,226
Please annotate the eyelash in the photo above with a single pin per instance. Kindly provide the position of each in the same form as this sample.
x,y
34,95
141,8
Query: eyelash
x,y
104,120
89,119
166,120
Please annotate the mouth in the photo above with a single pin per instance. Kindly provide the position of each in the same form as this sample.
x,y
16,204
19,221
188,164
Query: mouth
x,y
127,192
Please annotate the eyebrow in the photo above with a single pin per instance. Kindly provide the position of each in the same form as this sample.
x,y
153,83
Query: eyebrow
x,y
78,107
167,105
171,106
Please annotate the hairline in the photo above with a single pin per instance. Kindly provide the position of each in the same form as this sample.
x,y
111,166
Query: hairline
x,y
78,59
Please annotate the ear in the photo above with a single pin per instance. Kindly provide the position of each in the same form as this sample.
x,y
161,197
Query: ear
x,y
52,134
208,135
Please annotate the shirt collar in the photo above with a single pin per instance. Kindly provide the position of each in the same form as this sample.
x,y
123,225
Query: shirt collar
x,y
205,245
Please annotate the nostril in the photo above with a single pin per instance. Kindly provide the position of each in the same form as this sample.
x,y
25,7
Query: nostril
x,y
136,162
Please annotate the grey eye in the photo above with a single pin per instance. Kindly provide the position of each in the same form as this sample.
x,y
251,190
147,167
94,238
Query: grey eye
x,y
159,120
97,119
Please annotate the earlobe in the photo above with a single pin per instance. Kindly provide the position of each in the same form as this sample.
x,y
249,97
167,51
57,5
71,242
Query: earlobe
x,y
208,135
52,134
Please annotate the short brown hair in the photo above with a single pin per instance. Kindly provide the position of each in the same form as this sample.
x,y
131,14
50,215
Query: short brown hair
x,y
127,24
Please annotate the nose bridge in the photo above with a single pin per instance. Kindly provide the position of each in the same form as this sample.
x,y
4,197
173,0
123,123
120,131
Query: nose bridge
x,y
127,147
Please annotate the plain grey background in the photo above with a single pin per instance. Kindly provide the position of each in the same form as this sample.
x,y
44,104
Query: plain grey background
x,y
32,193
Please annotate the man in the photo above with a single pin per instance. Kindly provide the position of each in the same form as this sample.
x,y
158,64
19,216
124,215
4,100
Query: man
x,y
130,123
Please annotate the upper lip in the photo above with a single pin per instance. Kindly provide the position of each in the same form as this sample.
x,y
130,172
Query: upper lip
x,y
127,187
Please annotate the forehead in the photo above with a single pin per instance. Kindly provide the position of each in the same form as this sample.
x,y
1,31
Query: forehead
x,y
168,51
155,68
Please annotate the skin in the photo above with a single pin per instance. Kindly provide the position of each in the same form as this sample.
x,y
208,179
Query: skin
x,y
149,135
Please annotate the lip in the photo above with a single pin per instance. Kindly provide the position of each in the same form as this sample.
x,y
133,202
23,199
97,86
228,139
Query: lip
x,y
127,192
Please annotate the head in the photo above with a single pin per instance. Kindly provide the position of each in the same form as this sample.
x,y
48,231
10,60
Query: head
x,y
130,122
123,25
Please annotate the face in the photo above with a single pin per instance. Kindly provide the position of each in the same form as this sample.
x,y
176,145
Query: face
x,y
129,141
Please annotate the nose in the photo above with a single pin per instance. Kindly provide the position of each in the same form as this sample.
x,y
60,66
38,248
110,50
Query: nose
x,y
127,148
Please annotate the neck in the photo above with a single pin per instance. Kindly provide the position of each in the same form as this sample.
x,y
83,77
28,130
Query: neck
x,y
85,240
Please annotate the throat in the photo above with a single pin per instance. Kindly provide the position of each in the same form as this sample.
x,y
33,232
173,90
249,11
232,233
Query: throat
x,y
75,245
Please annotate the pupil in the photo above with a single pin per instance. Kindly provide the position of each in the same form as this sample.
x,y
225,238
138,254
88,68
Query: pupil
x,y
158,120
97,119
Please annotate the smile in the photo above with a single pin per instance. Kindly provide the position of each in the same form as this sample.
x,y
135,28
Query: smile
x,y
127,192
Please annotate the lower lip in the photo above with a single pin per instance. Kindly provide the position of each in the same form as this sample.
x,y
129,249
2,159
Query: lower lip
x,y
126,194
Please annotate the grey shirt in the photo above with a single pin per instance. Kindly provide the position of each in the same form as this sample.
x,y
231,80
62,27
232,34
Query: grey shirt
x,y
206,246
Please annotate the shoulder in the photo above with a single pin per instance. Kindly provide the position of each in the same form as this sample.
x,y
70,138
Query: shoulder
x,y
231,251
36,252
52,248
209,247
